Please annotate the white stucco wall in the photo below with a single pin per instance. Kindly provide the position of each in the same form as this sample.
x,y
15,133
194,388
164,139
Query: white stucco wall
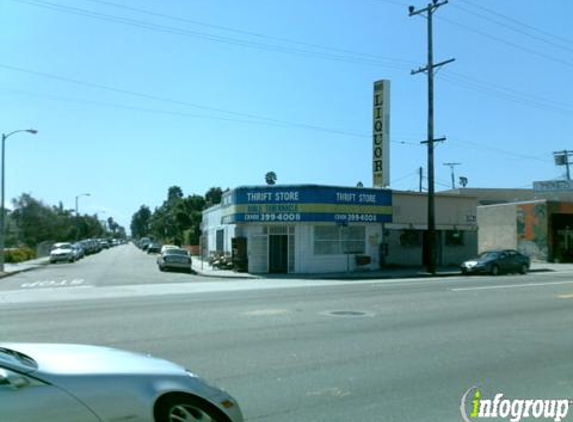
x,y
498,228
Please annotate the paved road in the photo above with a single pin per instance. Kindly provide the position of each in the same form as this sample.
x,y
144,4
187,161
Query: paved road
x,y
121,265
392,350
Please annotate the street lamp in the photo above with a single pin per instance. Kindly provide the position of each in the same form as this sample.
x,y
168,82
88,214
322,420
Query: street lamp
x,y
2,210
79,196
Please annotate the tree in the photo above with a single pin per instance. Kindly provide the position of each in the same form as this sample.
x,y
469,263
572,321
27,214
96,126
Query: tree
x,y
140,222
34,219
178,219
36,222
213,196
271,178
174,193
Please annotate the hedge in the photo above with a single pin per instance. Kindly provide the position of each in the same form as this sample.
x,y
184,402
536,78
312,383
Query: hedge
x,y
14,255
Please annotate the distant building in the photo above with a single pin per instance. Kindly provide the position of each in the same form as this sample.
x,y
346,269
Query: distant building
x,y
541,229
536,223
490,196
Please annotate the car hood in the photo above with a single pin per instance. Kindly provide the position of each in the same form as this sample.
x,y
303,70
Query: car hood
x,y
480,261
75,359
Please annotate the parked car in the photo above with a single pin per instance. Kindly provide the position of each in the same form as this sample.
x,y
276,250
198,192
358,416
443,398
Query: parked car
x,y
79,252
62,252
165,247
496,262
154,248
80,383
174,259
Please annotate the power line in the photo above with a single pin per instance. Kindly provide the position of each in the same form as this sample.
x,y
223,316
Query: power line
x,y
360,58
505,25
501,151
509,94
512,44
248,118
519,23
243,32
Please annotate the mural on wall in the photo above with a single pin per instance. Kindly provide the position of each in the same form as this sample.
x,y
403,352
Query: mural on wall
x,y
532,230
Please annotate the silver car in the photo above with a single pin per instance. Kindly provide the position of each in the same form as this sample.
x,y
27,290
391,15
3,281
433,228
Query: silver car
x,y
79,383
175,259
62,252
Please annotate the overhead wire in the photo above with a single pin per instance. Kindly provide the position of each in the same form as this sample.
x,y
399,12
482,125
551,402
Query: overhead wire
x,y
247,118
513,28
367,59
244,32
517,22
509,43
392,63
500,92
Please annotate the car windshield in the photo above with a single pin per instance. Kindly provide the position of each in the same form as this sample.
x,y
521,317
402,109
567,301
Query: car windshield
x,y
489,255
14,358
330,172
62,246
176,252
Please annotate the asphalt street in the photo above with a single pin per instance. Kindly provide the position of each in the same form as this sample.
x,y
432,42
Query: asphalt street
x,y
313,350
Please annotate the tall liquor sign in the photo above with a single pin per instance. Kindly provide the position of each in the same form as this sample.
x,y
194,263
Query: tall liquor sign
x,y
381,135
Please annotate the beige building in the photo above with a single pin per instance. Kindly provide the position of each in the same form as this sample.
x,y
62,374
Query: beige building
x,y
456,227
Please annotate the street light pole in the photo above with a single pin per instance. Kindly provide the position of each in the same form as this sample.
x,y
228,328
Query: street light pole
x,y
78,196
2,209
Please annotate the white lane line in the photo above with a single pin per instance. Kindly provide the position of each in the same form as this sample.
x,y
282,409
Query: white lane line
x,y
510,286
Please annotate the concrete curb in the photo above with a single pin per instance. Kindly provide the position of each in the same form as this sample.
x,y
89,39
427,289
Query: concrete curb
x,y
214,274
28,267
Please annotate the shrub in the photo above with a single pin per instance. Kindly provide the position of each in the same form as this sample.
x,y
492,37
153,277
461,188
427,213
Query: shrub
x,y
14,255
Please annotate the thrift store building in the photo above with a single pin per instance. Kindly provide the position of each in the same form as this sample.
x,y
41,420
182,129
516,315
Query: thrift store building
x,y
321,229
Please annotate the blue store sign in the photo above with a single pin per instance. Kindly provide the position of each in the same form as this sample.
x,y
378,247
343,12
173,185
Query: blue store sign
x,y
284,204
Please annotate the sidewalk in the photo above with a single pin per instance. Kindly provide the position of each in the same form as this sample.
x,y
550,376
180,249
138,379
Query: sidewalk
x,y
203,268
11,269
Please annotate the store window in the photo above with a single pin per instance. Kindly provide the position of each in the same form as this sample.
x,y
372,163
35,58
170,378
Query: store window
x,y
454,238
410,238
336,240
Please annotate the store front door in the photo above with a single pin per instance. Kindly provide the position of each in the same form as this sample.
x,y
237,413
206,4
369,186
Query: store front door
x,y
278,253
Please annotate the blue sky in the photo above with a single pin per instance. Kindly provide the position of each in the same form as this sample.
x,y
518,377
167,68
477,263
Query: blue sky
x,y
133,96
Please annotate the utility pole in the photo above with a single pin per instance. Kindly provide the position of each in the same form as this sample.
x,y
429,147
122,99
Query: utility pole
x,y
428,11
562,159
421,174
452,165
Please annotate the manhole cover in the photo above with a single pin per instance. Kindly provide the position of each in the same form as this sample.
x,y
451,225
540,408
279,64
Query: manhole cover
x,y
347,313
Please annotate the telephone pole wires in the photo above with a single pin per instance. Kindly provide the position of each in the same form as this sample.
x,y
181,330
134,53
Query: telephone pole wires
x,y
428,11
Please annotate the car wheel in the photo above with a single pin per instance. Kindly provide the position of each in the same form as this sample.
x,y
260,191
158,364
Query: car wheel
x,y
161,268
495,270
523,269
183,408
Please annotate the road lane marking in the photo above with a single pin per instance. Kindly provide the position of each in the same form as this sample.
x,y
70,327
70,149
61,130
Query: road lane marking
x,y
566,296
510,286
267,312
53,283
